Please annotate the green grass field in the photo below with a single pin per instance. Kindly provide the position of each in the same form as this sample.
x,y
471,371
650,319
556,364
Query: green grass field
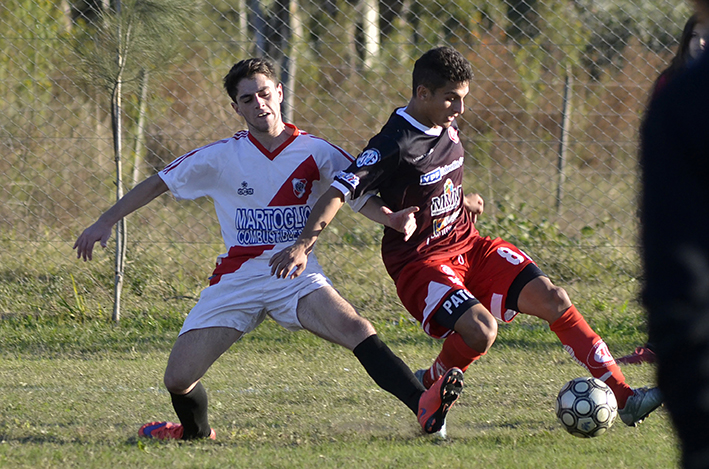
x,y
74,395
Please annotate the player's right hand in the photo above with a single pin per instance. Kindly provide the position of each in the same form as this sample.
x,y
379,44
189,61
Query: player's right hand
x,y
290,262
84,244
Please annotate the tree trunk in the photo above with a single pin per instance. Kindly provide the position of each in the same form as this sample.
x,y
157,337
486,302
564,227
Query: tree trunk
x,y
369,10
116,124
242,36
121,225
564,138
66,15
260,26
140,131
286,23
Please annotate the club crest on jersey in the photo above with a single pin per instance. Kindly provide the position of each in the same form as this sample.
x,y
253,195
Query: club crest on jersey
x,y
368,157
453,134
299,186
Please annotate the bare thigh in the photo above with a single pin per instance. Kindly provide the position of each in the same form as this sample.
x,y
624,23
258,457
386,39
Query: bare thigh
x,y
543,299
193,354
326,314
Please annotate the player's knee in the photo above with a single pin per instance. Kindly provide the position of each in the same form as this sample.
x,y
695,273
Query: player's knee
x,y
556,301
478,330
488,329
175,383
357,326
559,299
346,329
543,299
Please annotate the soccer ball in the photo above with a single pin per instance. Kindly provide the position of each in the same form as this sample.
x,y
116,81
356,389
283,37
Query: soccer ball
x,y
586,407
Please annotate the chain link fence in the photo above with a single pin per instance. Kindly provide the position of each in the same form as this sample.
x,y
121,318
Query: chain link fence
x,y
551,128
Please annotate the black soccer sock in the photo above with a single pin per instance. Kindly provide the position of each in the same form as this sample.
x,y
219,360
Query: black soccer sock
x,y
389,371
191,409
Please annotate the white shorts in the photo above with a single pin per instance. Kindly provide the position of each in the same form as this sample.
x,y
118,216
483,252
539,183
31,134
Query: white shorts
x,y
241,300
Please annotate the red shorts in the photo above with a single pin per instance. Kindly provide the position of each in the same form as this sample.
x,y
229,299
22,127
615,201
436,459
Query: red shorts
x,y
487,270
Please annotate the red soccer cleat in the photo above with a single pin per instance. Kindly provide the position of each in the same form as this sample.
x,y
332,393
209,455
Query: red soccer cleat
x,y
435,402
640,355
166,431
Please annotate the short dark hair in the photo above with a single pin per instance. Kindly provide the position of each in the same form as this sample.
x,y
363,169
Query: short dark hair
x,y
247,68
439,66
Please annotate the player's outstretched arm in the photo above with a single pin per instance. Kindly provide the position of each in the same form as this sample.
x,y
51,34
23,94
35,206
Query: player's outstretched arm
x,y
101,229
295,256
402,221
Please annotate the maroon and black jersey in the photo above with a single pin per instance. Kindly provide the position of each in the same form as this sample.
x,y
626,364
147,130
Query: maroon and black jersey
x,y
409,164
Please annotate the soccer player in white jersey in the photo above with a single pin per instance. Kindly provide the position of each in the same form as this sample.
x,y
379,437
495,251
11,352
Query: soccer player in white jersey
x,y
456,283
264,182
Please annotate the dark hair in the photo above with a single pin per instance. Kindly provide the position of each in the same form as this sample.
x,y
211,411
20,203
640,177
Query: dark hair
x,y
682,58
247,69
439,66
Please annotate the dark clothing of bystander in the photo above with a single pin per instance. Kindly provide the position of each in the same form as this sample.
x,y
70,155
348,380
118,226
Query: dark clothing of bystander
x,y
675,243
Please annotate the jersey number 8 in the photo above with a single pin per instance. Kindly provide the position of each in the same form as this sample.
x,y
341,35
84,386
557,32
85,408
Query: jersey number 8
x,y
511,256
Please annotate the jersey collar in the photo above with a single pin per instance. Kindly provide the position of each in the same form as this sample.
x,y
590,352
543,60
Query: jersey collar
x,y
272,155
432,131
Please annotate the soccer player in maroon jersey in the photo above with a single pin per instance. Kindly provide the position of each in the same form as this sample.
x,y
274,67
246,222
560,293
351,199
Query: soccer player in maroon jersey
x,y
264,182
456,283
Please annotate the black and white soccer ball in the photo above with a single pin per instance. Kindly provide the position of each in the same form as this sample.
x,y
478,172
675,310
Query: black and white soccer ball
x,y
586,407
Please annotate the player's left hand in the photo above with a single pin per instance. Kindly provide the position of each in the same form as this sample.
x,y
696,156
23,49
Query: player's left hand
x,y
474,204
403,221
290,262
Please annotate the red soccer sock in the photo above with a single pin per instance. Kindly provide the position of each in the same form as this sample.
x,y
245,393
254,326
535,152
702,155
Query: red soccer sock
x,y
589,350
455,352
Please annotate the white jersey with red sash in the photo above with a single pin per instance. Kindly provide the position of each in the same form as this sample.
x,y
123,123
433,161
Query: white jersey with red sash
x,y
262,198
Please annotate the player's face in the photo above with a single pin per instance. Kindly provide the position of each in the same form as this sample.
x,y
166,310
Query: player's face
x,y
258,101
445,104
699,39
